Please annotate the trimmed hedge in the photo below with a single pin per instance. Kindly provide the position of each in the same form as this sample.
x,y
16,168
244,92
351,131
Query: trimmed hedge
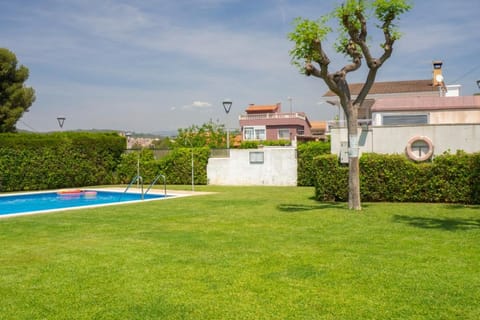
x,y
48,161
306,153
176,166
394,178
331,179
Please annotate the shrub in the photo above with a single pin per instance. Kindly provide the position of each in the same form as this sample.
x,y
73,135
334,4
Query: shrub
x,y
306,152
176,166
49,161
331,179
448,178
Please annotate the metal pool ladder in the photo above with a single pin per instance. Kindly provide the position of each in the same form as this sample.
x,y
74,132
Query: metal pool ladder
x,y
155,180
135,179
140,180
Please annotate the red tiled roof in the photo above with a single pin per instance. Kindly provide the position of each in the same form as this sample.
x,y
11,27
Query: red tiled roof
x,y
391,87
319,125
426,103
262,108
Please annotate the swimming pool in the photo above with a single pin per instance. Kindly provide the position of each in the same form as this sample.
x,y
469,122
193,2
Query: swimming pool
x,y
39,202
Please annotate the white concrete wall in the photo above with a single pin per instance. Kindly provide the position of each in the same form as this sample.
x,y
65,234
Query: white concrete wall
x,y
278,169
393,139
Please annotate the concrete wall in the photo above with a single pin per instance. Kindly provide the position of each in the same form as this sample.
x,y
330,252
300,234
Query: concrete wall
x,y
279,168
393,139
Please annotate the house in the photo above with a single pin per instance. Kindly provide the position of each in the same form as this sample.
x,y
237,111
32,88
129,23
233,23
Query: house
x,y
319,130
426,110
268,122
418,118
398,89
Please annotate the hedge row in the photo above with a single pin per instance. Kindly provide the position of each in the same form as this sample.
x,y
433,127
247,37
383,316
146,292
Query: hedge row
x,y
176,166
306,153
58,160
394,178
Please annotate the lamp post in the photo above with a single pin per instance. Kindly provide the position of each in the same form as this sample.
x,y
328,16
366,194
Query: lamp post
x,y
192,163
227,104
478,84
61,121
290,99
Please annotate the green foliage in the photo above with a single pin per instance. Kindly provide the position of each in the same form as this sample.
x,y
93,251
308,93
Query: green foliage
x,y
306,152
162,143
387,9
209,134
249,144
305,36
390,178
331,179
176,166
394,178
450,178
308,34
142,159
50,161
15,97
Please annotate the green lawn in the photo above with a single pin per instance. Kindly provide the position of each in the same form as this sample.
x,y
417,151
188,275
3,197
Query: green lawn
x,y
243,253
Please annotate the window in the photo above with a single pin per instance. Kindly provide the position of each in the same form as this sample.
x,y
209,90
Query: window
x,y
254,133
419,148
248,134
399,119
256,157
284,134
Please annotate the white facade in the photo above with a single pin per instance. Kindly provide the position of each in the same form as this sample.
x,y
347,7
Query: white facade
x,y
395,139
272,166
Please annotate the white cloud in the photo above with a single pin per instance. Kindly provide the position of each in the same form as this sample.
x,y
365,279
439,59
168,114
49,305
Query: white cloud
x,y
201,104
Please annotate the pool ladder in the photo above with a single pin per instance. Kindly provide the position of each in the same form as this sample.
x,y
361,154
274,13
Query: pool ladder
x,y
139,179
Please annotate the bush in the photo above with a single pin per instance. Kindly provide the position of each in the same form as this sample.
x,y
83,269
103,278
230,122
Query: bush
x,y
176,166
306,152
448,178
58,160
331,179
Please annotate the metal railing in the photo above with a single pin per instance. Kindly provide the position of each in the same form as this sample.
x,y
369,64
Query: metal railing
x,y
155,181
135,179
261,116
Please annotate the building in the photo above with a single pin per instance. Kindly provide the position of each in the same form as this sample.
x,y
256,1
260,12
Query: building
x,y
398,89
268,122
426,110
418,118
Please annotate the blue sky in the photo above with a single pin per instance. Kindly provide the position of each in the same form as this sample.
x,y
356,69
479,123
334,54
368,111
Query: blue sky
x,y
158,65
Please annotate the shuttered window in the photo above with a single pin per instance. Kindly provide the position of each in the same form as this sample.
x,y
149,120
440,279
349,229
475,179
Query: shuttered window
x,y
404,119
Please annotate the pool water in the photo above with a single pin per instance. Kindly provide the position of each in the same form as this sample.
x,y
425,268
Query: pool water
x,y
38,202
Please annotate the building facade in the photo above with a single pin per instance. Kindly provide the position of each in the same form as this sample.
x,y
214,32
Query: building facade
x,y
268,122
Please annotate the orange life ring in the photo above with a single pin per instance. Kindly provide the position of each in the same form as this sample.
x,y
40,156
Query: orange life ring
x,y
69,192
416,157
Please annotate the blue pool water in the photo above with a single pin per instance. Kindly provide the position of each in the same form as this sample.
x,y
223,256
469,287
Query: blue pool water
x,y
37,202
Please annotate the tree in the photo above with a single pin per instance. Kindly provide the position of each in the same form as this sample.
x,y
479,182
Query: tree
x,y
15,97
310,57
209,135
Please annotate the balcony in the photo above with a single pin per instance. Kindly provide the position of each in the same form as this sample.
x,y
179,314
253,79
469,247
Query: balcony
x,y
263,116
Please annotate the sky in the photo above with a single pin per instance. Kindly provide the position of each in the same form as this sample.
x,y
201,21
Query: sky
x,y
159,65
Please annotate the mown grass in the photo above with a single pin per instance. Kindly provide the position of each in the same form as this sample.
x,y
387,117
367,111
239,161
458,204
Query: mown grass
x,y
243,253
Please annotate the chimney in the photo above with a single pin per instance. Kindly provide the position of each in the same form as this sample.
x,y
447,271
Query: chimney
x,y
438,80
437,74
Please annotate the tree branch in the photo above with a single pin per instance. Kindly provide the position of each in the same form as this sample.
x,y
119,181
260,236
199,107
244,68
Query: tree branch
x,y
375,64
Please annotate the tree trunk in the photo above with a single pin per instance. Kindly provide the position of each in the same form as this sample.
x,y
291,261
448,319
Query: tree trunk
x,y
353,158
